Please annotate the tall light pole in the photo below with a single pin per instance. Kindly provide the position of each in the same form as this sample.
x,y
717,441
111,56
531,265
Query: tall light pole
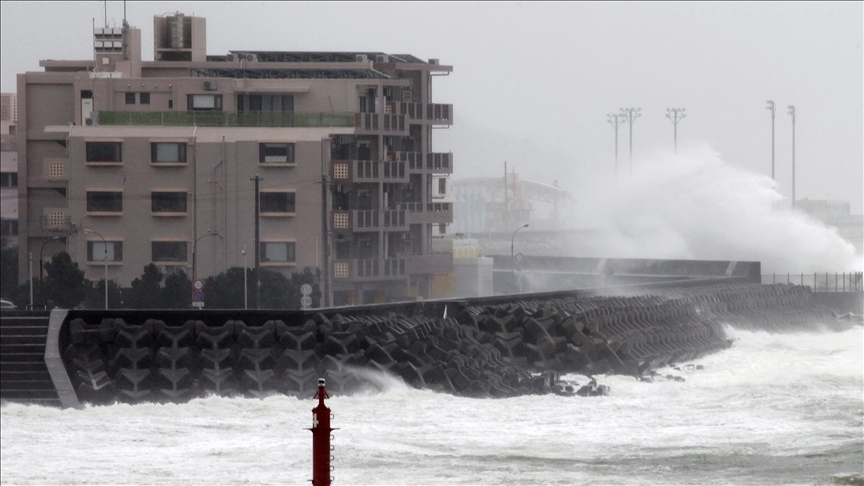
x,y
771,107
630,115
512,256
616,121
245,286
41,287
675,115
792,112
194,248
257,181
105,258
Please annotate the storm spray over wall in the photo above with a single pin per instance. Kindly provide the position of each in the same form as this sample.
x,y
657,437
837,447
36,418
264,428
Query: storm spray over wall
x,y
696,206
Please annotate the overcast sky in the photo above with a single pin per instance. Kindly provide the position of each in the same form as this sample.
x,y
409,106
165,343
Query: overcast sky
x,y
533,82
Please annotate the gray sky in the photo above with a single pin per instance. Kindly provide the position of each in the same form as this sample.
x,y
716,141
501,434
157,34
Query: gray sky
x,y
533,82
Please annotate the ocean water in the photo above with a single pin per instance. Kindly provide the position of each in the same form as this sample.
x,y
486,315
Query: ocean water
x,y
772,409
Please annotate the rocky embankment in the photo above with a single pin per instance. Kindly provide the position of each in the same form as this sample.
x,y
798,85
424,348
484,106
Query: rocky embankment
x,y
499,350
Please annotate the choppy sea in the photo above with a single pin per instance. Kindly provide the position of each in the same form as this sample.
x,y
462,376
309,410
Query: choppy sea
x,y
772,409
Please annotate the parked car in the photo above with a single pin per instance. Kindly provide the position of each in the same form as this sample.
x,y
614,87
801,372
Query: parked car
x,y
5,304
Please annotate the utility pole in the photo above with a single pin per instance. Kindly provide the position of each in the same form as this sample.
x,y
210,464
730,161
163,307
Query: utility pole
x,y
616,121
630,115
792,112
675,115
257,180
771,107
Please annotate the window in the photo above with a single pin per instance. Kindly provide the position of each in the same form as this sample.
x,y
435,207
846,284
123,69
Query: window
x,y
168,202
276,153
205,102
104,202
168,251
167,152
278,252
130,98
9,227
442,186
9,179
267,103
104,151
277,202
97,250
144,98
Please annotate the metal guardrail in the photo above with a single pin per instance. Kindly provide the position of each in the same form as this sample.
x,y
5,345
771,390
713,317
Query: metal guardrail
x,y
226,119
819,282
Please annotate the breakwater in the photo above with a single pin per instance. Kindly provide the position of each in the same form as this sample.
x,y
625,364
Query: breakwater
x,y
493,347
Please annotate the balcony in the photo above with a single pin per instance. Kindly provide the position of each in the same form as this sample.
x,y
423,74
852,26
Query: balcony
x,y
437,263
439,163
379,171
414,160
375,220
439,114
387,123
226,119
426,213
369,270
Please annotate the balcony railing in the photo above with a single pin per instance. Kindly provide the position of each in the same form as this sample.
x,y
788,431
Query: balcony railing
x,y
440,162
429,213
379,269
374,219
226,119
375,169
437,112
385,122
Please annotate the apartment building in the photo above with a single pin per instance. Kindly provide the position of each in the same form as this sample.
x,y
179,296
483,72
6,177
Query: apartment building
x,y
9,169
160,161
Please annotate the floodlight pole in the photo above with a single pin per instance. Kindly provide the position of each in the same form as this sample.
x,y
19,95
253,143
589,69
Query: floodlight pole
x,y
616,121
771,107
675,115
257,181
630,115
792,112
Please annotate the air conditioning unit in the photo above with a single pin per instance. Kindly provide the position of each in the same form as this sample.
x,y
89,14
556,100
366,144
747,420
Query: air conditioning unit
x,y
90,122
382,58
209,85
232,57
435,61
361,58
252,57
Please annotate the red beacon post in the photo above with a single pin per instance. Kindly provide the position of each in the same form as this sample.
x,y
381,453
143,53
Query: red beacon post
x,y
321,439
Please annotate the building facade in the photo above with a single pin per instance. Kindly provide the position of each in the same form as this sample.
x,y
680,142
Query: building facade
x,y
9,169
161,161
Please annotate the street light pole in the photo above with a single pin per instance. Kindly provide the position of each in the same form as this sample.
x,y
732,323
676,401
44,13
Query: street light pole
x,y
616,121
41,287
257,181
245,286
630,115
512,256
194,251
675,115
792,112
105,258
771,107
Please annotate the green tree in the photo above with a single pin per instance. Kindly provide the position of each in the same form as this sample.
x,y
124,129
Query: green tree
x,y
96,295
274,291
20,295
225,291
65,285
297,280
177,292
145,289
8,271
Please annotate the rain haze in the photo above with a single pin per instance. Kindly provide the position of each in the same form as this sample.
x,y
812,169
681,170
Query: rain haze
x,y
533,84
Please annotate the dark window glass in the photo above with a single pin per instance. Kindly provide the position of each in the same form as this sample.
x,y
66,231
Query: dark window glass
x,y
168,251
276,152
277,202
96,251
144,98
271,103
104,151
130,98
9,227
168,202
170,103
166,152
277,252
241,106
104,202
9,179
